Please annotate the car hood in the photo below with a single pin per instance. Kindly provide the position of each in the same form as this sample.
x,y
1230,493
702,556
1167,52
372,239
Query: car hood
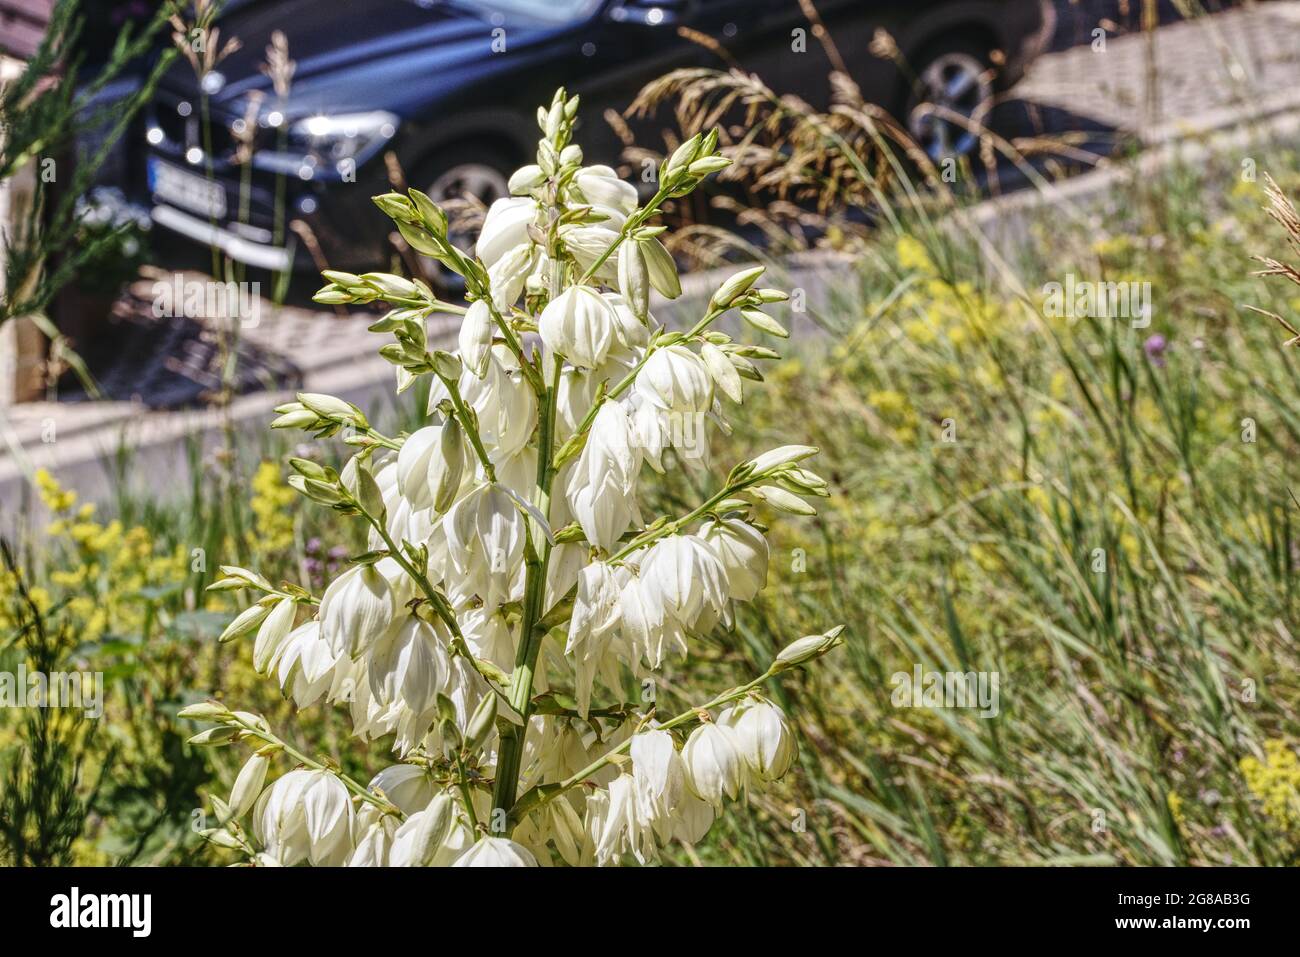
x,y
392,54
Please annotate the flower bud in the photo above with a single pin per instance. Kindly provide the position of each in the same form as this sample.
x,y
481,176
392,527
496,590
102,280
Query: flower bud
x,y
248,785
390,286
782,500
244,622
430,213
634,279
764,323
214,737
475,340
723,372
204,711
297,419
803,650
684,154
526,178
775,458
736,285
662,269
272,634
481,723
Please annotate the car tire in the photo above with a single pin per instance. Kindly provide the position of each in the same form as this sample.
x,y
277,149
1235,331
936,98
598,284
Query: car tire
x,y
957,73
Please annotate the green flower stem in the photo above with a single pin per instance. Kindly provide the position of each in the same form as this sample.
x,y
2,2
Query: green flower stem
x,y
672,528
380,439
470,423
632,223
521,680
463,783
516,347
350,783
545,793
494,676
574,444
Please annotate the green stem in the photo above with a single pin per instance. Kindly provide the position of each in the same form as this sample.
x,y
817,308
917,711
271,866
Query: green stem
x,y
544,794
351,784
470,424
632,223
521,680
465,796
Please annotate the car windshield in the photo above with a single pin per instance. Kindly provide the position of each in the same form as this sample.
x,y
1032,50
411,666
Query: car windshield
x,y
552,11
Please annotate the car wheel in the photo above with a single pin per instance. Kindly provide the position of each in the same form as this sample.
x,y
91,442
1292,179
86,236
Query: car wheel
x,y
957,77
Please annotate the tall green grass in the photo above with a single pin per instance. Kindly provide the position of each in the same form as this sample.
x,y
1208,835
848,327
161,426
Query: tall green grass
x,y
1112,531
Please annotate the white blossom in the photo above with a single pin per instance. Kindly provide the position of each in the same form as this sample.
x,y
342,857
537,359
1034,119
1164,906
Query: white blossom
x,y
496,852
714,765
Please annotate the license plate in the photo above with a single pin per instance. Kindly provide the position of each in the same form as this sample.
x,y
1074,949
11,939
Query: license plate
x,y
187,190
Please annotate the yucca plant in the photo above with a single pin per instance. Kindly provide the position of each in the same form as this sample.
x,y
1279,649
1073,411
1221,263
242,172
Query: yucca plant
x,y
511,573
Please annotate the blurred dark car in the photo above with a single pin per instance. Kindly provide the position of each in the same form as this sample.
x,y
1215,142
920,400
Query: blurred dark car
x,y
452,88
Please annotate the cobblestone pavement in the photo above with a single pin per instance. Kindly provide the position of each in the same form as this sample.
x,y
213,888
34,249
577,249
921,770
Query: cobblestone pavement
x,y
1185,76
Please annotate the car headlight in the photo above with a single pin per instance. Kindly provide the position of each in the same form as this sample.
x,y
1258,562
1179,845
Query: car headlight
x,y
347,136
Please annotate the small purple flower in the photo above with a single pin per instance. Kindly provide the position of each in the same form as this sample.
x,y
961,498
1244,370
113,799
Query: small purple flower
x,y
1155,348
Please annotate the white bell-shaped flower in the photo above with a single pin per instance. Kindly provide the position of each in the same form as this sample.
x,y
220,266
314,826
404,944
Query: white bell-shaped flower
x,y
617,826
676,379
406,785
508,276
504,227
485,537
587,244
356,609
421,835
502,399
715,767
306,666
409,663
658,773
327,808
595,619
496,852
305,814
686,578
430,466
475,338
375,832
579,325
605,510
601,186
764,737
743,551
